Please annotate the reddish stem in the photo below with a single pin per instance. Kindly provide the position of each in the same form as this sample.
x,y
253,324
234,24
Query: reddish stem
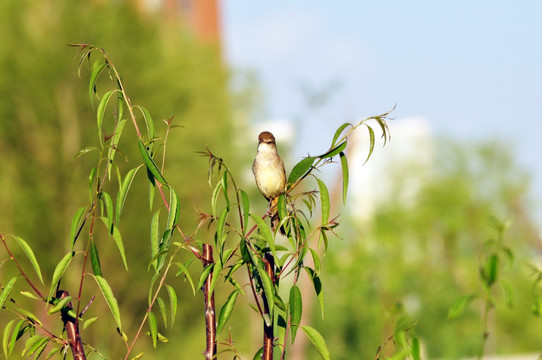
x,y
209,299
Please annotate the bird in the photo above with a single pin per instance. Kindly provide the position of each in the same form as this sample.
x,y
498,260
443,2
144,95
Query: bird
x,y
269,173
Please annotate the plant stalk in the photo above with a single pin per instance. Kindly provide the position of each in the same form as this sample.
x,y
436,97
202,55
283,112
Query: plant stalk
x,y
209,300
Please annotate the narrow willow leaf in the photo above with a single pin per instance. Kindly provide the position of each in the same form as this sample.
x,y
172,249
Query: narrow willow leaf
x,y
89,322
245,207
108,203
344,166
30,316
300,169
318,341
95,259
371,142
215,275
296,309
459,306
91,178
60,305
30,254
151,194
123,191
97,68
225,188
258,355
85,151
109,299
52,353
172,302
265,230
332,152
38,347
204,274
267,285
59,271
415,349
324,201
184,269
101,112
149,162
214,197
153,328
281,207
148,121
226,311
174,209
492,268
76,225
162,307
316,261
155,236
338,132
114,142
220,228
5,338
115,233
138,356
317,283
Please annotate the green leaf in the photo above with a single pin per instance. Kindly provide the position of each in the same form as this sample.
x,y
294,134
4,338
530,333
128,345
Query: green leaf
x,y
267,285
95,259
220,228
459,306
155,236
300,169
174,209
225,188
265,230
226,311
318,341
76,225
172,302
204,274
281,207
115,233
37,346
214,277
5,338
60,305
162,306
101,112
109,299
245,207
149,162
296,309
123,191
89,322
332,152
52,352
153,327
184,269
85,151
214,197
415,349
108,203
114,142
148,121
338,132
317,283
492,269
315,260
59,271
344,166
96,70
371,142
324,201
30,254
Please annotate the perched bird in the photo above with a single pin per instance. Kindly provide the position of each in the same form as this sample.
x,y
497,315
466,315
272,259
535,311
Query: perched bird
x,y
269,173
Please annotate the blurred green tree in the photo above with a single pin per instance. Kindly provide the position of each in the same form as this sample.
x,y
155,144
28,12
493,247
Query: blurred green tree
x,y
46,119
420,256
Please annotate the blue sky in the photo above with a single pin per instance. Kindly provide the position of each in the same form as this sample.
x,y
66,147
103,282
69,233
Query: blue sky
x,y
473,69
